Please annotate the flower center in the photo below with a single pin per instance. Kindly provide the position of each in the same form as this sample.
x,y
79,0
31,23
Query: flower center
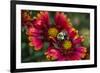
x,y
53,32
67,44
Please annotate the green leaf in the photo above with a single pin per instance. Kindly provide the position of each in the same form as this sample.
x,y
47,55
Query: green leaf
x,y
46,45
86,42
23,34
24,50
23,29
38,54
28,59
23,45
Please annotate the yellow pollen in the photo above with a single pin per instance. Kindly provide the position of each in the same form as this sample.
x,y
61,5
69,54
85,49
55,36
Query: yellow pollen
x,y
67,44
52,32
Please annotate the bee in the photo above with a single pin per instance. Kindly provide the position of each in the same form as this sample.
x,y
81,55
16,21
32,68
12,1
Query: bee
x,y
62,35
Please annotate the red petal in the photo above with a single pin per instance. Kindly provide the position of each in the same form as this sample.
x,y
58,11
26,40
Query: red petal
x,y
38,44
78,40
42,20
33,31
73,56
72,32
62,21
55,53
81,49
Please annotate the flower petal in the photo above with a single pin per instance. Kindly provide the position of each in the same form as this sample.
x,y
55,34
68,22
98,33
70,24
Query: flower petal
x,y
62,21
72,33
38,44
81,49
54,53
78,40
26,18
42,20
33,31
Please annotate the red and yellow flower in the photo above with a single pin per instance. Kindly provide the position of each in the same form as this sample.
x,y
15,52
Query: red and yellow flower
x,y
65,43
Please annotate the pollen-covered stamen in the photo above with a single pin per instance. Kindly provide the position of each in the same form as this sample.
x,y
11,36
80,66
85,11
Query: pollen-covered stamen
x,y
52,32
67,44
